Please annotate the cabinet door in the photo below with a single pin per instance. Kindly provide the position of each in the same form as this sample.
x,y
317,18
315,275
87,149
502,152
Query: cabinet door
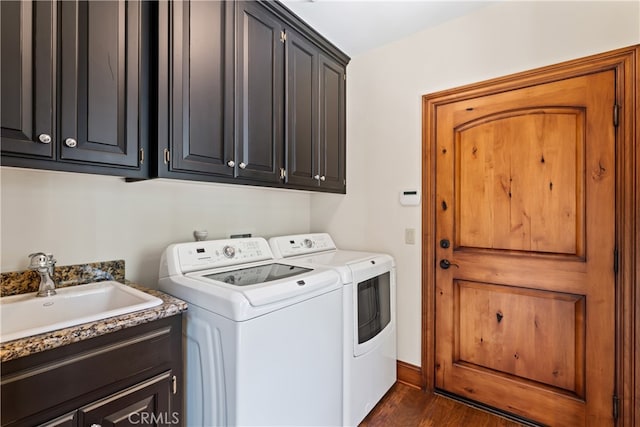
x,y
99,93
202,87
301,58
67,420
332,125
28,46
144,404
260,94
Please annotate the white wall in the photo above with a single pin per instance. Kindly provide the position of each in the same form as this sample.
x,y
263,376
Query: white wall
x,y
384,89
87,218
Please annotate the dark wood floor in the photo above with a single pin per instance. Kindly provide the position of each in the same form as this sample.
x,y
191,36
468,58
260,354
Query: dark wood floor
x,y
405,406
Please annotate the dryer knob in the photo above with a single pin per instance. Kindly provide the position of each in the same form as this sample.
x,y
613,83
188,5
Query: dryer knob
x,y
307,243
229,251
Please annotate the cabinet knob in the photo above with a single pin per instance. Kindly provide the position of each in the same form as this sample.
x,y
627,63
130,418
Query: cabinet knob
x,y
44,138
323,178
242,165
70,142
231,163
316,177
96,425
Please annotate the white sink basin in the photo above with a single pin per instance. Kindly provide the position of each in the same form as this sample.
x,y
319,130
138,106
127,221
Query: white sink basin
x,y
26,315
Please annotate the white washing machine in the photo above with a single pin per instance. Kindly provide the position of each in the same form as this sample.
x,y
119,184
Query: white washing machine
x,y
369,316
262,337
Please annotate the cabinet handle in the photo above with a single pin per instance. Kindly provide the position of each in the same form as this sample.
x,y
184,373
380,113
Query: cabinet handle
x,y
316,177
70,142
323,178
242,165
44,138
231,163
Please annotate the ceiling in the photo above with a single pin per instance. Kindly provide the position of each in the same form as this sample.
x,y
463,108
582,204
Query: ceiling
x,y
356,26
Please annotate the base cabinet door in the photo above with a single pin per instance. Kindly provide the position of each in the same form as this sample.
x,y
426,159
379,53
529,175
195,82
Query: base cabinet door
x,y
147,403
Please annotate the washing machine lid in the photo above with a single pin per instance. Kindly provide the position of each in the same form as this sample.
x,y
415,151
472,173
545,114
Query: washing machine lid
x,y
269,283
257,274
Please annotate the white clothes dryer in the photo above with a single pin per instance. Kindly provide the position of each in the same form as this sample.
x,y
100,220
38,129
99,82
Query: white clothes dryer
x,y
262,337
369,316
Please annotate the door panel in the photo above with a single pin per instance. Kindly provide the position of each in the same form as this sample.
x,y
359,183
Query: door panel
x,y
260,97
502,176
525,191
99,102
202,87
332,124
27,74
301,59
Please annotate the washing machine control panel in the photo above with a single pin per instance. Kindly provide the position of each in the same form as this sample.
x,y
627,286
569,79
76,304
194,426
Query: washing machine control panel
x,y
221,253
301,244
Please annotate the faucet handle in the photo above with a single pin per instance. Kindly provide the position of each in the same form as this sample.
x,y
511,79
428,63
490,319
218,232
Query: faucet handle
x,y
39,260
50,261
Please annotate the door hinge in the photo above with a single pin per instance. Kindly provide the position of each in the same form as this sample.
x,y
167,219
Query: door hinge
x,y
616,260
344,77
283,36
174,384
616,114
167,156
141,157
283,173
616,403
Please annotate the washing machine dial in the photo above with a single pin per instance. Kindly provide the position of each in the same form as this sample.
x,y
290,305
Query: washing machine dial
x,y
229,251
308,243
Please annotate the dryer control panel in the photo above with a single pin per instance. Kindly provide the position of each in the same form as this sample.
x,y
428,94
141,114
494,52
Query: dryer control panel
x,y
194,256
301,244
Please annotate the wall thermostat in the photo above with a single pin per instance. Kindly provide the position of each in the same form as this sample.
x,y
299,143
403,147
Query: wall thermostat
x,y
410,198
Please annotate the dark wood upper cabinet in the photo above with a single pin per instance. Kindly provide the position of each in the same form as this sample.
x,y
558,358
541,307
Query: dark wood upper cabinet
x,y
74,80
240,94
201,89
303,153
229,91
99,92
332,124
315,116
27,74
260,93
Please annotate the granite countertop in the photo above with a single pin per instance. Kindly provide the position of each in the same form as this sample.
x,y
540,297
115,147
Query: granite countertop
x,y
21,347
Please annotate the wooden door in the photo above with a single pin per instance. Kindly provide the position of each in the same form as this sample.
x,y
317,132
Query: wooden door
x,y
27,74
525,242
100,105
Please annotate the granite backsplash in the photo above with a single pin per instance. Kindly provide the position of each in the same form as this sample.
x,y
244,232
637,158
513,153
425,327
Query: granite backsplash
x,y
20,282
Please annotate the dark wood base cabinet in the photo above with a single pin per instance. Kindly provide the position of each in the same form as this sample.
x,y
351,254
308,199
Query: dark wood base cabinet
x,y
129,377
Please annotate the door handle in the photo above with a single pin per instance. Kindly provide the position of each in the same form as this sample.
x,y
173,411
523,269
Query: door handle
x,y
445,264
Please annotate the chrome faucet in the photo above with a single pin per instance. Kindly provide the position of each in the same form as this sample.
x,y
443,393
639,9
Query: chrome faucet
x,y
44,265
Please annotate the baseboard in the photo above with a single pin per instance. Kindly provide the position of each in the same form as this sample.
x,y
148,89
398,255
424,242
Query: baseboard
x,y
409,374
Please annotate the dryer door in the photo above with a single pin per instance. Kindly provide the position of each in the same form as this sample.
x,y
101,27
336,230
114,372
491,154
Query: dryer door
x,y
374,302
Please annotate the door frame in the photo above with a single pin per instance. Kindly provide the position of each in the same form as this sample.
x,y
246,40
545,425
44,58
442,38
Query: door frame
x,y
626,64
